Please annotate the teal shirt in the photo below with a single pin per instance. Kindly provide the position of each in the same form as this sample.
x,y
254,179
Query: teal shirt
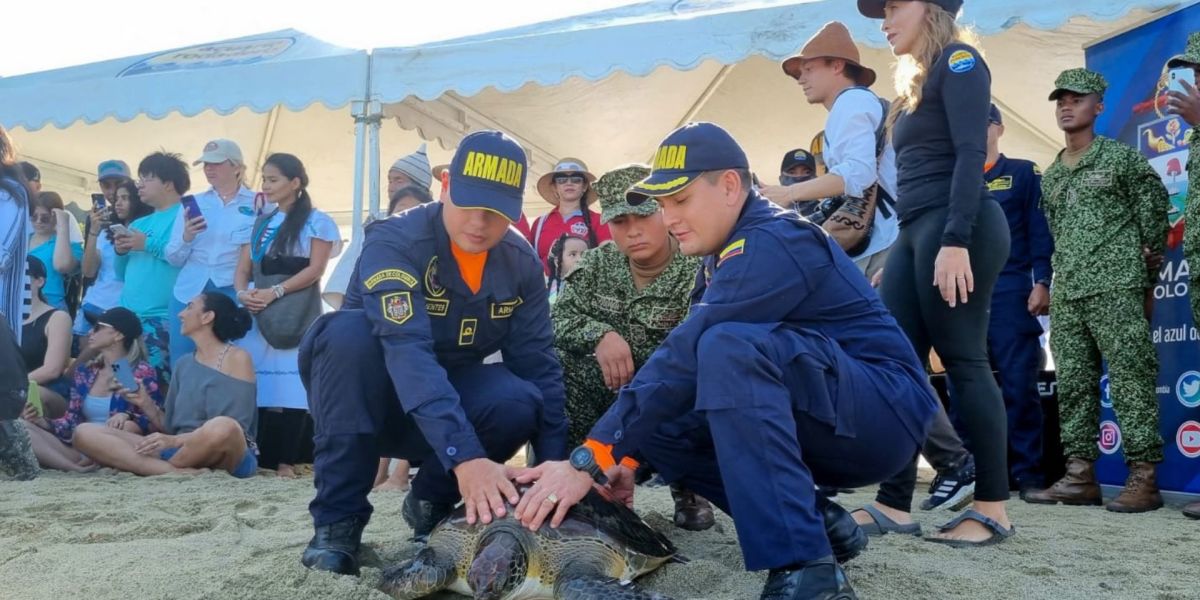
x,y
55,289
149,278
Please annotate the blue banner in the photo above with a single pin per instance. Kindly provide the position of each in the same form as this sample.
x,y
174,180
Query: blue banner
x,y
1134,113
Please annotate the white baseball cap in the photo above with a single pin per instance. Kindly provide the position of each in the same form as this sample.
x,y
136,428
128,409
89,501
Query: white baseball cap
x,y
219,151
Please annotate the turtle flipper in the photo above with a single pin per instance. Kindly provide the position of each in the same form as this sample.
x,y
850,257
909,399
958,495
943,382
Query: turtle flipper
x,y
601,588
417,577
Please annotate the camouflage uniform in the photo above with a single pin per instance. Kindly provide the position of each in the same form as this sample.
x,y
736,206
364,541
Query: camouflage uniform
x,y
1191,215
16,451
1101,213
600,296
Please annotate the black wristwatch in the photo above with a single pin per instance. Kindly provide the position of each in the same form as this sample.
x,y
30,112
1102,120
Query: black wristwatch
x,y
583,459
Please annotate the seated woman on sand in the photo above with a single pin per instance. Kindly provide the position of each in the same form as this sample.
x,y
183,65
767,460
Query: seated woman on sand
x,y
116,335
210,415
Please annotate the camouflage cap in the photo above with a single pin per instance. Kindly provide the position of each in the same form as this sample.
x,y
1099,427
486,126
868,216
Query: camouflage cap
x,y
611,188
1079,81
1191,54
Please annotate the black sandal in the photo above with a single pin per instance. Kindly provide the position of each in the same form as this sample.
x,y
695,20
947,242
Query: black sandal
x,y
999,533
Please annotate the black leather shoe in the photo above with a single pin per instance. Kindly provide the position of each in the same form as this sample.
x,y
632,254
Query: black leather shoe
x,y
820,579
334,547
847,539
422,515
692,512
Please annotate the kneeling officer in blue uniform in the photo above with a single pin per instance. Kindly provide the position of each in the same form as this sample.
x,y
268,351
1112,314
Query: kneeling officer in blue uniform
x,y
399,372
787,373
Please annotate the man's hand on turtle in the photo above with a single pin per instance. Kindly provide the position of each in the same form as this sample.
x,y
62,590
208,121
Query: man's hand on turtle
x,y
484,486
620,484
557,486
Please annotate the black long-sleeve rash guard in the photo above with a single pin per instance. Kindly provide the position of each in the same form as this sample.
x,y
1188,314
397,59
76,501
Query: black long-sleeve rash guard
x,y
941,147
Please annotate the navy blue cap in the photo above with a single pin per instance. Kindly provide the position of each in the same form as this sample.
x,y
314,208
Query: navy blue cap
x,y
488,172
994,115
683,156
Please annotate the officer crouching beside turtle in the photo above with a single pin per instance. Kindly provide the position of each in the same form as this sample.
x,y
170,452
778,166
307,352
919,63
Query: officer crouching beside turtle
x,y
399,372
788,373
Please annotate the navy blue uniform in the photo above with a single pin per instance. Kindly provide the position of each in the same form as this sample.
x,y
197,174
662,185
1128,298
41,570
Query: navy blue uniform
x,y
787,372
1012,331
398,371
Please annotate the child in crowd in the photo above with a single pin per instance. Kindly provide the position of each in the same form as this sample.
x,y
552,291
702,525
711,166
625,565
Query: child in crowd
x,y
564,255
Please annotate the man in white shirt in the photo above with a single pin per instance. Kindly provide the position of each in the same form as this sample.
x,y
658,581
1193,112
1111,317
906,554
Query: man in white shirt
x,y
206,248
855,151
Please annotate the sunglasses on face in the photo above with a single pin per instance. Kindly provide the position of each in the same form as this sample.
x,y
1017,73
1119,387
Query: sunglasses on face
x,y
43,218
576,179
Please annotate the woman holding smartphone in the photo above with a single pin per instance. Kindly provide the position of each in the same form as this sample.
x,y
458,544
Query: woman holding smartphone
x,y
116,340
953,242
99,256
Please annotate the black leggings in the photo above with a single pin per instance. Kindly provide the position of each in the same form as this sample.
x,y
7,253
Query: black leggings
x,y
281,433
960,337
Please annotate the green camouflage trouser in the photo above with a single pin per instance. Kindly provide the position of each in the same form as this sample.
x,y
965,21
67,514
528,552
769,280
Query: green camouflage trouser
x,y
1111,325
587,397
16,451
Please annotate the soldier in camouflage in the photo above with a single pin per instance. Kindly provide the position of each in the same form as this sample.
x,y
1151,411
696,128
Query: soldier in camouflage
x,y
616,308
1187,106
1107,211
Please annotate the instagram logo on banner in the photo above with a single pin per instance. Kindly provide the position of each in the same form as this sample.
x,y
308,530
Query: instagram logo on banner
x,y
1110,437
1188,439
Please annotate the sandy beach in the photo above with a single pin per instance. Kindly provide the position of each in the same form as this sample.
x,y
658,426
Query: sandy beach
x,y
115,536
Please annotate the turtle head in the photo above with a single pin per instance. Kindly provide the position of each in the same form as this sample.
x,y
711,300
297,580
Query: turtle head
x,y
499,567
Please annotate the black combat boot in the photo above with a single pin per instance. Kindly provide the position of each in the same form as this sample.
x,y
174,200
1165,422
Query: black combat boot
x,y
422,515
820,579
334,547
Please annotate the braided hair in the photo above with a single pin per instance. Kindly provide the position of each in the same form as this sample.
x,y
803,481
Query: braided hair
x,y
592,241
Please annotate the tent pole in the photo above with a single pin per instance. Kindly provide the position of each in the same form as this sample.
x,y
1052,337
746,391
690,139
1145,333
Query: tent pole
x,y
356,223
375,116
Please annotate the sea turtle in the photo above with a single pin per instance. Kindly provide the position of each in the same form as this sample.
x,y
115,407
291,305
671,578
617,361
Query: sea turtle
x,y
597,551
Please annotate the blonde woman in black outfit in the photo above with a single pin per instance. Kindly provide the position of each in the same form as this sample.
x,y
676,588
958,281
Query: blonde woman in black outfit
x,y
953,241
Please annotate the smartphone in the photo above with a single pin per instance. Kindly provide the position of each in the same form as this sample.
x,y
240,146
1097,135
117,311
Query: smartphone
x,y
1176,78
34,399
118,229
98,202
123,373
190,207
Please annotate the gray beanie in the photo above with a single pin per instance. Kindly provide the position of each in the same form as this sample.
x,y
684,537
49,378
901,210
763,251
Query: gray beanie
x,y
416,166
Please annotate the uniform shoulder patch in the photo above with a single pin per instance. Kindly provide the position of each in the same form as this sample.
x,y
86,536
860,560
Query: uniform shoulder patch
x,y
391,275
736,248
397,307
961,61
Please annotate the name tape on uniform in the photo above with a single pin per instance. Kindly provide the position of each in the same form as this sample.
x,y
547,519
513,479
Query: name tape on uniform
x,y
391,275
504,310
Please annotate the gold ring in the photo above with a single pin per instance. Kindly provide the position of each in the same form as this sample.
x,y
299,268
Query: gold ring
x,y
552,499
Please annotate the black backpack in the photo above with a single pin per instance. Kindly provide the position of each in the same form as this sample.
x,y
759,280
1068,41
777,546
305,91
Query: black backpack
x,y
14,380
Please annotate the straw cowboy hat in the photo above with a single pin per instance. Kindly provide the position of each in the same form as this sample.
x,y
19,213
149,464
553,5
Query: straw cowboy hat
x,y
545,185
832,41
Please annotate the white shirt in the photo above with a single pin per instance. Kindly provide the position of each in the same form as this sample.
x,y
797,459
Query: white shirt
x,y
850,153
213,254
105,293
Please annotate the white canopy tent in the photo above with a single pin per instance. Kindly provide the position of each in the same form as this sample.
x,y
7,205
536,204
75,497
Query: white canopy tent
x,y
606,87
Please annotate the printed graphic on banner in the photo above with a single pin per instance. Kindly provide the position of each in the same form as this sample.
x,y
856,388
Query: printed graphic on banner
x,y
1188,439
207,56
1110,437
1105,397
1187,389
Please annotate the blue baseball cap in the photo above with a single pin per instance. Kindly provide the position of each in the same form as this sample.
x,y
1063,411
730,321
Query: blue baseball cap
x,y
112,168
994,115
684,155
488,172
